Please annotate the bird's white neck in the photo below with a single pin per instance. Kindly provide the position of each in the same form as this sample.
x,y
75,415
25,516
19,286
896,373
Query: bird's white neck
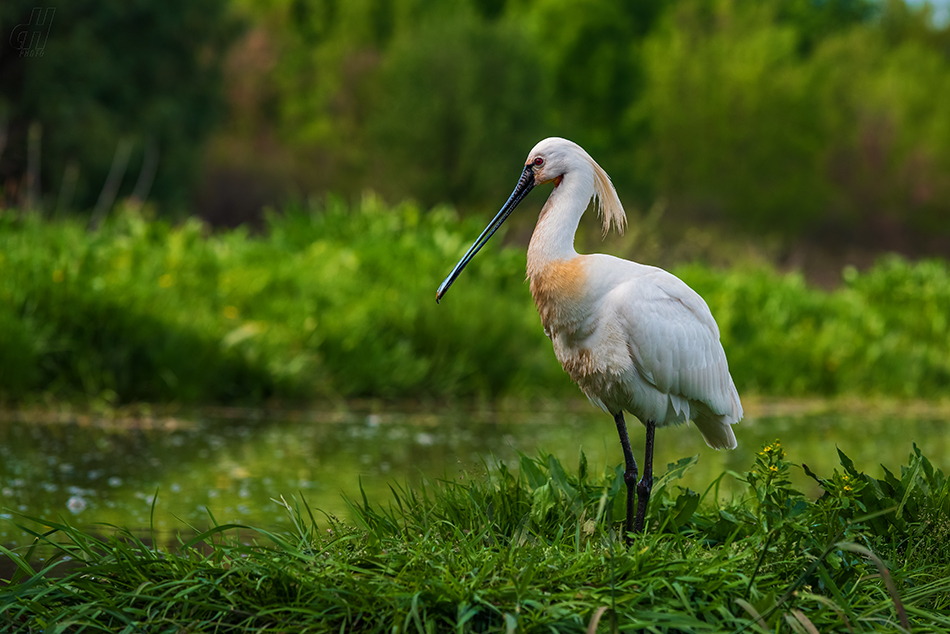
x,y
553,237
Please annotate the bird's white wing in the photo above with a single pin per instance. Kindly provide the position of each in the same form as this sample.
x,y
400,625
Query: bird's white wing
x,y
673,340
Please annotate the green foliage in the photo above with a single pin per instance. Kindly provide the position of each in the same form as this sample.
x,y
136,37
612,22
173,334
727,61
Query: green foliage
x,y
768,478
887,158
792,116
436,126
899,511
885,331
760,115
88,317
591,53
331,303
532,551
755,147
817,20
112,71
798,117
406,98
367,280
338,302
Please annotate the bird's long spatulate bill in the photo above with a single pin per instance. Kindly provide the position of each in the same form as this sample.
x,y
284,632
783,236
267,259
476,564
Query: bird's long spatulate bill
x,y
525,185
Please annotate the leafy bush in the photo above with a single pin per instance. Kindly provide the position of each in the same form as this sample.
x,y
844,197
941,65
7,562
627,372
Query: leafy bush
x,y
331,303
337,302
885,331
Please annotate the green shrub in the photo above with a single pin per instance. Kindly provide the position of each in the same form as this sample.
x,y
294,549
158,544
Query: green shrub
x,y
331,303
884,332
338,302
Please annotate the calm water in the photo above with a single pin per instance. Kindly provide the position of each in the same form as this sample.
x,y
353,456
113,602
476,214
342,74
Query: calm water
x,y
86,471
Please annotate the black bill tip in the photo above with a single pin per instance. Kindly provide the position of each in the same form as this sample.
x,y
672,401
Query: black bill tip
x,y
525,185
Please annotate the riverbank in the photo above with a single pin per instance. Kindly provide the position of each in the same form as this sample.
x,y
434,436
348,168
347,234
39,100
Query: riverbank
x,y
529,551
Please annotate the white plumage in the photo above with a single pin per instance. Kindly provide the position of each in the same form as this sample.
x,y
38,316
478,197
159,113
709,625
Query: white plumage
x,y
655,349
634,338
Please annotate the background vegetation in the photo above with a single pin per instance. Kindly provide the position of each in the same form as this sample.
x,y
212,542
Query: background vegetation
x,y
137,83
814,120
338,302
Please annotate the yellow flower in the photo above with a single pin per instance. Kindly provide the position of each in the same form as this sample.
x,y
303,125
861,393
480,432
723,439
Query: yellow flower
x,y
847,488
231,312
165,281
773,468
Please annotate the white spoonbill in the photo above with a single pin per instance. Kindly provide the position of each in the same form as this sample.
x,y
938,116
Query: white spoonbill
x,y
634,338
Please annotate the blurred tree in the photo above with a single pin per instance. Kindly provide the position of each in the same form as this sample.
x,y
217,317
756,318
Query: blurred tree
x,y
592,52
412,98
754,118
904,21
889,157
324,81
455,126
735,127
794,116
114,72
815,20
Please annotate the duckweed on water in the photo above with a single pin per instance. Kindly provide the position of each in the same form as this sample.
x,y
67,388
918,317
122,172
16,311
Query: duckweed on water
x,y
533,551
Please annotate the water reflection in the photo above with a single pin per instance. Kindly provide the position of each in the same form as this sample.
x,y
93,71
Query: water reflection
x,y
233,468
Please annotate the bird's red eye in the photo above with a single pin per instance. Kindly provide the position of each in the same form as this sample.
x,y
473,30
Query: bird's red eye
x,y
539,161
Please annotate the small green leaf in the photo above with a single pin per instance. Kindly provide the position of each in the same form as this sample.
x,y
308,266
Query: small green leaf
x,y
686,505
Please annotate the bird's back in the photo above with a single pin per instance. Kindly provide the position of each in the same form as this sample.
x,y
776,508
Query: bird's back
x,y
636,338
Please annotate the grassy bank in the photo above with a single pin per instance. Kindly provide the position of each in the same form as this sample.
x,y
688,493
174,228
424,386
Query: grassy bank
x,y
338,302
531,552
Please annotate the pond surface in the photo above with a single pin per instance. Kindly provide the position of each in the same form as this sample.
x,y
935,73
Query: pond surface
x,y
234,464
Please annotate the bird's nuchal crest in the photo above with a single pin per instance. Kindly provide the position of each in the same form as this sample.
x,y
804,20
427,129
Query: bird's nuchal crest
x,y
609,207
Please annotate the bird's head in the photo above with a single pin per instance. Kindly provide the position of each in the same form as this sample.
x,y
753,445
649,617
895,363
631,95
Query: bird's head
x,y
551,160
554,157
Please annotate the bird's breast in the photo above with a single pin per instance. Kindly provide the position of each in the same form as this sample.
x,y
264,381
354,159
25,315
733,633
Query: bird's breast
x,y
585,340
558,292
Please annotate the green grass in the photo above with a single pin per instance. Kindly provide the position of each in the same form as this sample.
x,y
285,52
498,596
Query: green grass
x,y
335,302
529,552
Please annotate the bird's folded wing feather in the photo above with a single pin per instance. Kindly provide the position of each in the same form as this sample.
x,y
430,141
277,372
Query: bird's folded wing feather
x,y
673,340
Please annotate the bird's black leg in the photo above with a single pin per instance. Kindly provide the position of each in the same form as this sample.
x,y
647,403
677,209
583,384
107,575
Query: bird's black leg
x,y
646,483
629,475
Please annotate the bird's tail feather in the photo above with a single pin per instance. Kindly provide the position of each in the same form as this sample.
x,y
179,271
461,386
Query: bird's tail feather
x,y
717,431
